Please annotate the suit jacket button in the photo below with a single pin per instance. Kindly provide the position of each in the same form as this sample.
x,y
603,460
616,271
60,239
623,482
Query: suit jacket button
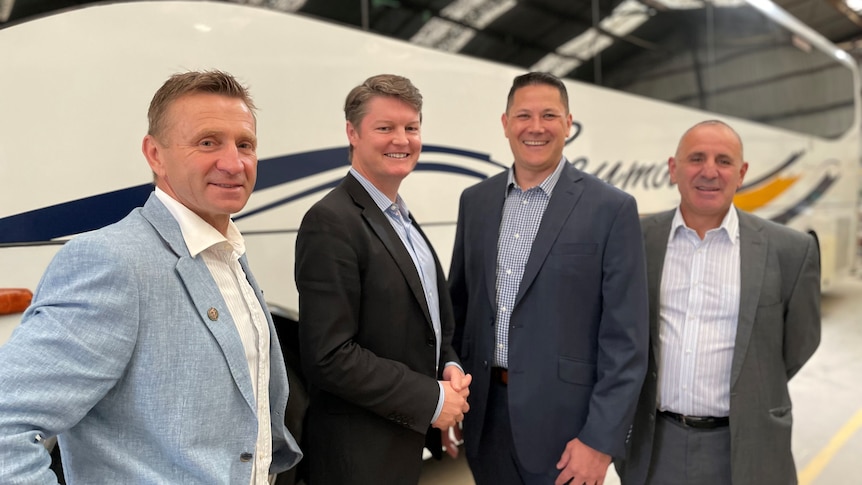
x,y
246,457
431,342
484,364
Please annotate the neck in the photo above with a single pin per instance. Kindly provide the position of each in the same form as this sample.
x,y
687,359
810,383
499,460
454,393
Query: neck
x,y
527,179
702,224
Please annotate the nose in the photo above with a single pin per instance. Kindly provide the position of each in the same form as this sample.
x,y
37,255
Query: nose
x,y
710,169
536,124
230,160
399,136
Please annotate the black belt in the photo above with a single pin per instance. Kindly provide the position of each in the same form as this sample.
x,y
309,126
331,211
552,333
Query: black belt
x,y
500,375
699,422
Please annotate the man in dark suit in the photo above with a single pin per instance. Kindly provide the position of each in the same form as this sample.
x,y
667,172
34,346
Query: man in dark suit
x,y
375,317
735,314
548,284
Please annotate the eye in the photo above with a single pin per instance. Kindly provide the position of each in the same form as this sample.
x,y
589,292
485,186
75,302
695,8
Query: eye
x,y
523,116
550,116
414,129
247,145
208,143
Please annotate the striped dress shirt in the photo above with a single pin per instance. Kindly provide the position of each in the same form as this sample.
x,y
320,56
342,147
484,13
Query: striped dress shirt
x,y
221,255
698,316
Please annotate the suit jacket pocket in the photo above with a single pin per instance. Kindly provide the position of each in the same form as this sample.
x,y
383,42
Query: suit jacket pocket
x,y
573,249
577,371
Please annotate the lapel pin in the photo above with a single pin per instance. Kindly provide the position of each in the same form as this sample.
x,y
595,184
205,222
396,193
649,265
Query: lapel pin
x,y
212,313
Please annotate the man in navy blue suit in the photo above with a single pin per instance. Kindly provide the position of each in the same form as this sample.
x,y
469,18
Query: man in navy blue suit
x,y
548,284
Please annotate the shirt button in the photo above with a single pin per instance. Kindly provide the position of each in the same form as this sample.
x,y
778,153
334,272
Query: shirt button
x,y
502,309
499,346
244,457
517,236
508,271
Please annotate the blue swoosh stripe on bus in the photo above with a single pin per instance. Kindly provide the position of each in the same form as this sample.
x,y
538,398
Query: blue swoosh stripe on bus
x,y
287,168
72,217
808,201
790,160
94,212
422,167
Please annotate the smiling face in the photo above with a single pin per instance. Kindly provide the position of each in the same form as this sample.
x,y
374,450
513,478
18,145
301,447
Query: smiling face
x,y
206,157
386,143
537,124
708,169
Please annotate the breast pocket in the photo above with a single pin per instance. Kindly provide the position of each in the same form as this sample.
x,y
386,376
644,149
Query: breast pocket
x,y
573,258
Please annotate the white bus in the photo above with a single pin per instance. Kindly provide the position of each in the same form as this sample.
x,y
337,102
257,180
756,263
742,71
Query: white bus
x,y
75,86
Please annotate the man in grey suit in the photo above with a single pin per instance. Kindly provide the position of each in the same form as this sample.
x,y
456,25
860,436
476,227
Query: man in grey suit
x,y
548,284
148,347
735,314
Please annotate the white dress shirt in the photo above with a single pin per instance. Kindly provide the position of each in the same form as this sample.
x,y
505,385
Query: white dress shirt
x,y
221,255
698,316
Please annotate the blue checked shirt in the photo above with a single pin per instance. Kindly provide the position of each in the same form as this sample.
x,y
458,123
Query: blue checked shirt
x,y
522,215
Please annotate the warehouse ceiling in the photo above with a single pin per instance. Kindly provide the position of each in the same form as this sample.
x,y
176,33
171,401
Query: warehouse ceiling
x,y
548,35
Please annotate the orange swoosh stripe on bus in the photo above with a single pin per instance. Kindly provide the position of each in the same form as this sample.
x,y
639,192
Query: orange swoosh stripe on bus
x,y
751,200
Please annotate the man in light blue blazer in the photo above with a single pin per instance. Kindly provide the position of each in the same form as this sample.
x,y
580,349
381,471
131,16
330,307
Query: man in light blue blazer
x,y
548,285
148,348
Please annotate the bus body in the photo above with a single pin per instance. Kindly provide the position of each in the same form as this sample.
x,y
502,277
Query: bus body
x,y
76,86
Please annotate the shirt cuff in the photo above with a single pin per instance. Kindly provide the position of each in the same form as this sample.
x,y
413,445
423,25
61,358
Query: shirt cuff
x,y
439,404
456,365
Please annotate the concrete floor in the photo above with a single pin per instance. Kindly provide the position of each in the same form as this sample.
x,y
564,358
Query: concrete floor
x,y
827,400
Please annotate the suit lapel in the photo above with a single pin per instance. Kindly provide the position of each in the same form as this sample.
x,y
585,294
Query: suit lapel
x,y
752,259
204,294
492,198
564,198
381,226
656,233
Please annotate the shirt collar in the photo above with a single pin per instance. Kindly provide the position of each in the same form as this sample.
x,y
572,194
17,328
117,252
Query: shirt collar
x,y
730,224
547,186
379,198
198,234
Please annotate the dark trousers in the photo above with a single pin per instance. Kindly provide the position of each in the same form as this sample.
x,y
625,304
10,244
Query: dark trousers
x,y
689,456
497,461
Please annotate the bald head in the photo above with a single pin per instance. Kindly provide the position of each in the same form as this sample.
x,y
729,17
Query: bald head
x,y
710,123
708,169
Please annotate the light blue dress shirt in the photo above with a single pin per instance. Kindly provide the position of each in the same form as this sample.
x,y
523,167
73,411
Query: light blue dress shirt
x,y
423,259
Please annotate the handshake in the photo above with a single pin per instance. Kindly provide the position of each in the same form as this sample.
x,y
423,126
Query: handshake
x,y
456,388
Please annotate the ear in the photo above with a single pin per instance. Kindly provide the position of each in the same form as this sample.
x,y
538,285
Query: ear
x,y
568,125
505,121
352,133
742,171
153,153
671,169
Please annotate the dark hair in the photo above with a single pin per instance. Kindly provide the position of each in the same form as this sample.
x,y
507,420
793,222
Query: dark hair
x,y
535,79
182,84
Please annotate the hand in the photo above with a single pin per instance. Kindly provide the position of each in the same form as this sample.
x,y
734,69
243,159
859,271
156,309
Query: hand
x,y
451,437
454,406
581,464
460,382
